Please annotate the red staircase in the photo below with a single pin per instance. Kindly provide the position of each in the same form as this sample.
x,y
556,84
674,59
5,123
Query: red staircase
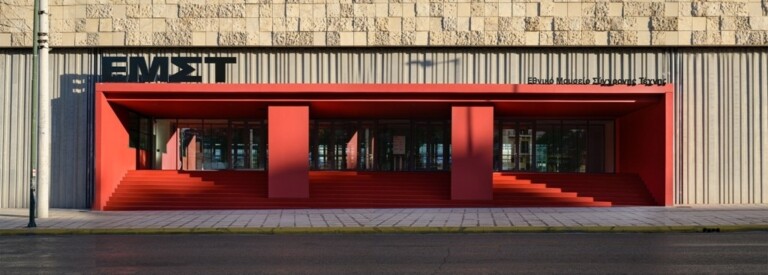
x,y
168,190
379,189
509,190
619,189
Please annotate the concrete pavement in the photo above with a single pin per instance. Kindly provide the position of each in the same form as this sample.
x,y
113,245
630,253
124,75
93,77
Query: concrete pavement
x,y
634,219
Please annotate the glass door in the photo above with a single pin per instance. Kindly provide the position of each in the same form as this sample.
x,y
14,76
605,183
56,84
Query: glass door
x,y
394,137
430,145
221,144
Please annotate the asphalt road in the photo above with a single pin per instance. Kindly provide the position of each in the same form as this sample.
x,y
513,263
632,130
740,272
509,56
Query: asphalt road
x,y
388,253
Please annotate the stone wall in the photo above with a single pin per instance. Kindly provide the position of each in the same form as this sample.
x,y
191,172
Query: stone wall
x,y
86,23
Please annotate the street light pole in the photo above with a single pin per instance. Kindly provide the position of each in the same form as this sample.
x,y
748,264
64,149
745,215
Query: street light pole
x,y
33,115
44,142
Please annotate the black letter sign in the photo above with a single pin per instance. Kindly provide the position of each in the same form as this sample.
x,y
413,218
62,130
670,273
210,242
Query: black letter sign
x,y
109,70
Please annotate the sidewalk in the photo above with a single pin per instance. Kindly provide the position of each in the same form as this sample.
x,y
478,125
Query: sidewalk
x,y
624,219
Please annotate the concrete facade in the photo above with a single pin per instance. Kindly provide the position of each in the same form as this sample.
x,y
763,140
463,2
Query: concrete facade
x,y
167,23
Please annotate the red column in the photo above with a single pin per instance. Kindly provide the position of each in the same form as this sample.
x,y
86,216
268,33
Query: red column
x,y
288,160
472,153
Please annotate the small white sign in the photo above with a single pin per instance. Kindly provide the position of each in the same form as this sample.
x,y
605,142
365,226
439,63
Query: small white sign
x,y
398,145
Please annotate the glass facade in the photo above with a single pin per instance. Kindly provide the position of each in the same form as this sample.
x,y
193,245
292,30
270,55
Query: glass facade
x,y
379,145
520,145
567,146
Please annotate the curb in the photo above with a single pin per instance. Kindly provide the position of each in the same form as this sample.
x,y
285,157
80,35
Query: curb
x,y
383,230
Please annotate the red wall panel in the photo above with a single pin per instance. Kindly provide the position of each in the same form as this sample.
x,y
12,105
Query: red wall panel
x,y
645,147
114,157
288,145
472,153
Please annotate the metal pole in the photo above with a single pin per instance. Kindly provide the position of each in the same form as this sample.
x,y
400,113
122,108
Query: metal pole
x,y
44,165
33,126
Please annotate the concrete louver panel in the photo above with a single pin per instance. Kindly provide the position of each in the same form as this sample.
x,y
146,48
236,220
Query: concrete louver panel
x,y
721,102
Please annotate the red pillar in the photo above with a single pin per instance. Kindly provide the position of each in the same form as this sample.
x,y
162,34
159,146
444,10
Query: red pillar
x,y
472,153
288,160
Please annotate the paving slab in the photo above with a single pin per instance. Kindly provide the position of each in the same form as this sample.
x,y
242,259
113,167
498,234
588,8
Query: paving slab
x,y
655,219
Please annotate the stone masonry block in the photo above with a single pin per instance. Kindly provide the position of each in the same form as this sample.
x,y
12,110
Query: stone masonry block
x,y
138,11
533,24
511,38
339,24
105,25
734,8
21,39
567,23
476,23
292,38
361,24
346,10
409,24
758,23
601,9
564,38
449,10
712,23
125,25
381,23
172,38
231,10
422,9
477,9
705,8
623,23
179,25
333,38
491,24
545,38
513,23
138,38
603,23
476,38
311,24
705,38
92,39
587,38
198,11
643,9
621,38
490,38
658,38
435,9
435,38
449,23
408,38
386,38
664,23
265,10
395,10
455,38
752,37
491,9
98,11
233,38
64,25
588,23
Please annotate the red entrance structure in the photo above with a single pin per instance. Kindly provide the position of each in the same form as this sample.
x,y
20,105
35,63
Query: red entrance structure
x,y
642,115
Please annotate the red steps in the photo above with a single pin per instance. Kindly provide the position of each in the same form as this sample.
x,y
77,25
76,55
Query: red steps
x,y
619,189
158,190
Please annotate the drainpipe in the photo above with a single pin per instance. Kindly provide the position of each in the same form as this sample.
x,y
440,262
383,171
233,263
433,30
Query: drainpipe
x,y
44,171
